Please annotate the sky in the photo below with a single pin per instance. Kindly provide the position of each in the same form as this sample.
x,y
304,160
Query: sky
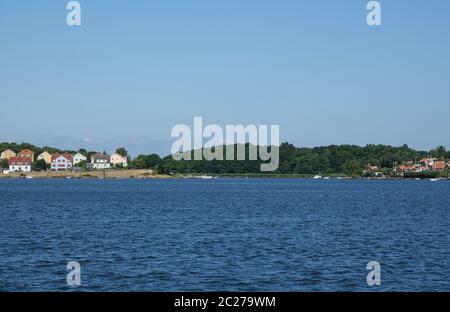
x,y
135,69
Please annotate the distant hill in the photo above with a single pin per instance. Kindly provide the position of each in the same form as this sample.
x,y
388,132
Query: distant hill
x,y
333,159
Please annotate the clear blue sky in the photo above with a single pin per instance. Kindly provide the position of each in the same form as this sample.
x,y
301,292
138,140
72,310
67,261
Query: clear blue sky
x,y
134,69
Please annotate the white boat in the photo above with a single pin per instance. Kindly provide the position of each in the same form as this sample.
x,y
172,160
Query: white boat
x,y
28,177
198,177
435,180
205,177
317,177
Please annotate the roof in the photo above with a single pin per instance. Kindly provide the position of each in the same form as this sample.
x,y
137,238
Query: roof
x,y
20,161
440,165
67,156
100,156
8,151
427,160
26,152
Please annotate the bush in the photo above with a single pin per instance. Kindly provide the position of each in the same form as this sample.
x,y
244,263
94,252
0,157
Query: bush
x,y
39,165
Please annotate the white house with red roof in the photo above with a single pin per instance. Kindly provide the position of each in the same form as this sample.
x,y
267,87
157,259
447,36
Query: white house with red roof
x,y
61,162
20,164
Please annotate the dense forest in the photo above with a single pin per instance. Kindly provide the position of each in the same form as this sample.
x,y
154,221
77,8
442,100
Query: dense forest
x,y
333,159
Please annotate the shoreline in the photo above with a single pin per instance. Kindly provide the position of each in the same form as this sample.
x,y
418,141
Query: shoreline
x,y
107,174
149,174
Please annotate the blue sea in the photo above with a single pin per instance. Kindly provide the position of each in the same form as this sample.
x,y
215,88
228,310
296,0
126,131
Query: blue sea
x,y
224,234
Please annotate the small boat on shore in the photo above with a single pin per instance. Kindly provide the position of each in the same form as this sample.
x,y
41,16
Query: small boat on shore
x,y
205,177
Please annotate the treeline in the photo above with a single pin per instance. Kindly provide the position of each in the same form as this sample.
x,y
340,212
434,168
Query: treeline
x,y
333,159
37,150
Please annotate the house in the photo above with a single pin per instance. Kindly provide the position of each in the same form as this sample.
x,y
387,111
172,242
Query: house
x,y
7,154
100,161
78,157
407,168
117,159
26,153
46,157
20,164
439,165
61,162
417,168
429,162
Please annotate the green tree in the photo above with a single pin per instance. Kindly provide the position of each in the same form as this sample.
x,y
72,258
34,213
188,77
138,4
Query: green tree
x,y
4,163
353,167
82,164
388,159
146,161
122,151
39,165
439,152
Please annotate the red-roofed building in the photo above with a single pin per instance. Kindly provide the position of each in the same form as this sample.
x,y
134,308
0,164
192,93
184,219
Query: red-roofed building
x,y
26,153
61,162
404,168
439,165
20,164
428,161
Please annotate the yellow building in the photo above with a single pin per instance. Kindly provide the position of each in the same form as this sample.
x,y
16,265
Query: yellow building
x,y
7,154
45,156
26,153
